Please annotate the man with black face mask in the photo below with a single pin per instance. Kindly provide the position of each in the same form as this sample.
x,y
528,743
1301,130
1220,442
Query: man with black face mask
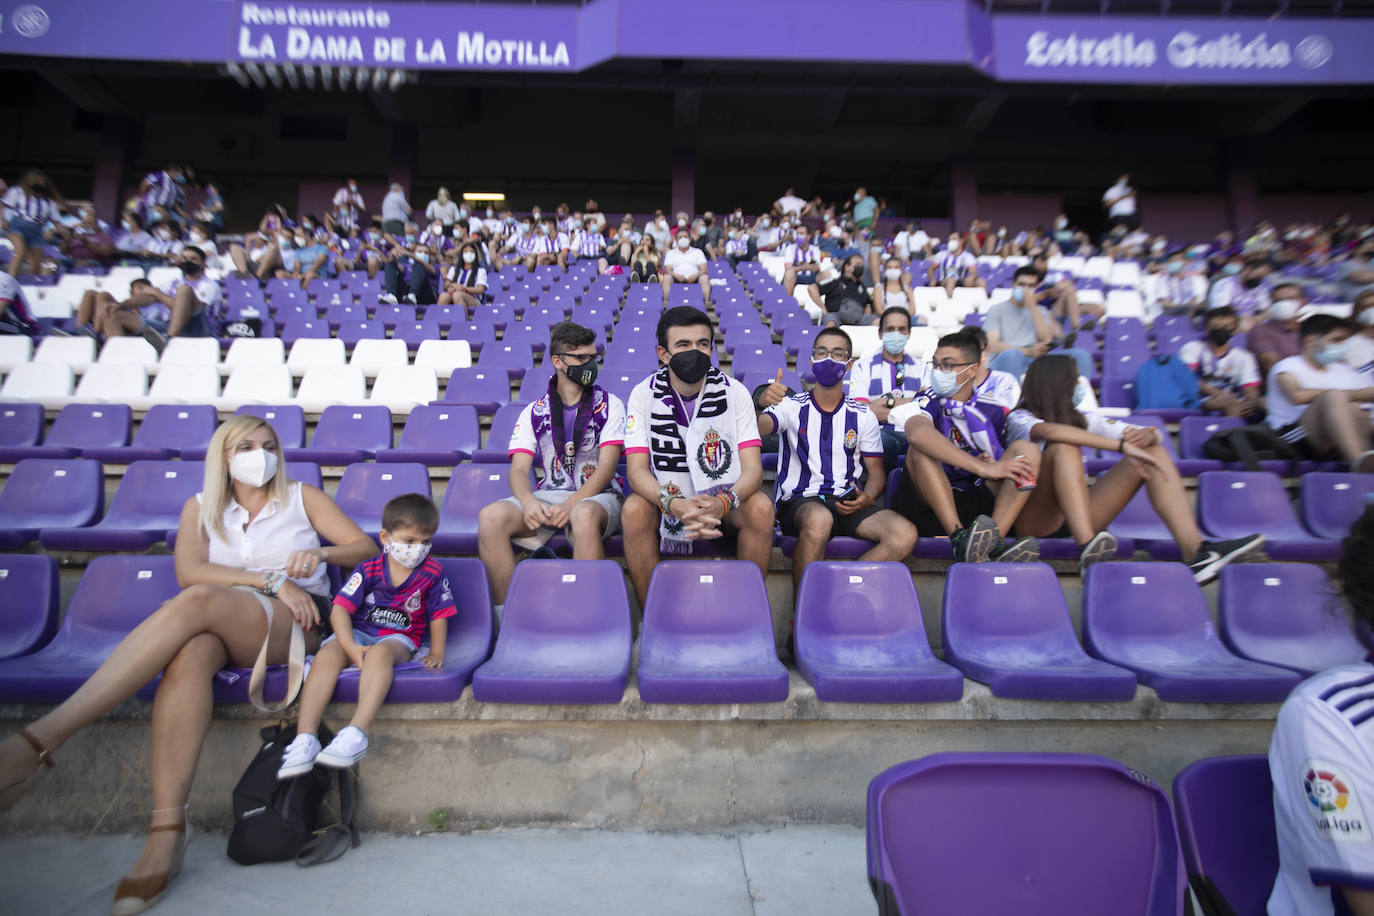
x,y
692,451
844,297
186,306
1228,377
574,432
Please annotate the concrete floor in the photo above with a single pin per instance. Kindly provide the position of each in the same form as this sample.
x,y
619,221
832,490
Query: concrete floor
x,y
787,871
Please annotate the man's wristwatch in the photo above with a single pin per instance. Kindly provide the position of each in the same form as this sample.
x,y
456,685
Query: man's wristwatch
x,y
665,499
891,400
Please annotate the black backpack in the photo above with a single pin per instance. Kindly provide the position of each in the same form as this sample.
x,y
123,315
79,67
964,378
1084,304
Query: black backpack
x,y
280,820
1249,445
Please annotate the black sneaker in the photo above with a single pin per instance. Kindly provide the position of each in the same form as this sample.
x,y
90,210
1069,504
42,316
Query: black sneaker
x,y
543,552
634,276
1021,550
1101,547
155,337
976,542
1206,564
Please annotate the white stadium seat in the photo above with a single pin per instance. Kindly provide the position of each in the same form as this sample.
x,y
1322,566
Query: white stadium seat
x,y
371,355
130,351
254,351
76,352
256,383
183,383
323,386
402,388
14,349
199,350
50,384
315,351
443,356
112,383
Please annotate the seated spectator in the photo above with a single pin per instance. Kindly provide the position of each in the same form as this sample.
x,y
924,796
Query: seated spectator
x,y
1049,416
658,229
573,435
954,267
646,260
544,245
348,207
443,210
1057,292
306,258
380,619
1360,346
1326,862
1063,232
892,288
959,462
801,260
739,246
588,244
698,475
828,444
712,238
1277,337
166,243
164,194
133,242
15,317
518,244
98,308
1228,376
1356,275
1019,331
439,238
767,234
1173,289
620,249
842,295
465,282
1315,399
684,263
362,249
89,242
413,270
889,378
211,209
1246,292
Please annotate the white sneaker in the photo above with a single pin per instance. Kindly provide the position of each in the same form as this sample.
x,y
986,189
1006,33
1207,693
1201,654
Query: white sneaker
x,y
347,748
409,299
299,757
388,298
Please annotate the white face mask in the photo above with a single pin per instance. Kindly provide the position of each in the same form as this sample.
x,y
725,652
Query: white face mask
x,y
469,257
684,243
1284,310
253,468
408,555
893,273
1366,318
436,229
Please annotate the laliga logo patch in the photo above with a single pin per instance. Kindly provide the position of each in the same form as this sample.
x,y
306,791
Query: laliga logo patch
x,y
1334,807
353,582
31,21
630,424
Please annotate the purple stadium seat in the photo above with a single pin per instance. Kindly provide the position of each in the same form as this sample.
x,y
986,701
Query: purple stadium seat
x,y
796,340
485,389
115,595
707,636
167,431
1141,525
837,548
1331,502
415,333
512,358
471,487
1232,504
338,315
1224,807
346,434
860,637
535,384
21,431
477,333
764,358
532,334
1285,614
365,488
29,596
1074,833
390,315
492,316
446,315
288,420
301,328
1118,392
1152,619
354,330
497,450
49,493
571,651
288,309
436,436
77,428
1007,625
145,507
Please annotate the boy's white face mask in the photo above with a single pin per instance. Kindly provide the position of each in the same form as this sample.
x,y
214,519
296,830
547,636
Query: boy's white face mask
x,y
408,555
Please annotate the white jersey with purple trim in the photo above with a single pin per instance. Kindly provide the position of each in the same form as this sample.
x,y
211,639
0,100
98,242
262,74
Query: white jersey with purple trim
x,y
821,452
533,435
1321,760
1234,370
1021,421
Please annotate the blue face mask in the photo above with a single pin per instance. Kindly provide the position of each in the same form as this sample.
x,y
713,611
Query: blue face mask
x,y
1018,295
828,372
894,342
944,382
1331,353
1080,394
1229,269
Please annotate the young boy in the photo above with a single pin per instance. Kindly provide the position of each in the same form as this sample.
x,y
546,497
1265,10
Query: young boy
x,y
377,626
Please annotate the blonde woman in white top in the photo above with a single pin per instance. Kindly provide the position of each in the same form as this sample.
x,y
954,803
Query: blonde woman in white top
x,y
250,532
893,289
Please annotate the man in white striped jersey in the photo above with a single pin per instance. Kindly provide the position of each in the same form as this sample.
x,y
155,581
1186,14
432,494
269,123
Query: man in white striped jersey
x,y
827,442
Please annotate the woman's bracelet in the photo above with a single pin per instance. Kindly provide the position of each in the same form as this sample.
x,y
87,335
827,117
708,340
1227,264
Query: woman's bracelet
x,y
271,583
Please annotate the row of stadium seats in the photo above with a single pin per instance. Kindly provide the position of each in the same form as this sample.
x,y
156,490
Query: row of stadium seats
x,y
707,634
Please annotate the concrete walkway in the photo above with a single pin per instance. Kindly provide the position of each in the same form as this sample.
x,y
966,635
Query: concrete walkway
x,y
784,871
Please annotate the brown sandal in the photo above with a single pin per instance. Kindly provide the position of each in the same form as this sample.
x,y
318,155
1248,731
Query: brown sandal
x,y
15,790
135,895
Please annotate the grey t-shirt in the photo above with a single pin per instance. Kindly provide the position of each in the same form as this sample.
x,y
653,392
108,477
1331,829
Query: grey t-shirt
x,y
1349,289
1013,323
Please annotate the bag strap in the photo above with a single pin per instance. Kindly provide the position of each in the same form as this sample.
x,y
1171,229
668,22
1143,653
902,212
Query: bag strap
x,y
1244,449
331,842
295,663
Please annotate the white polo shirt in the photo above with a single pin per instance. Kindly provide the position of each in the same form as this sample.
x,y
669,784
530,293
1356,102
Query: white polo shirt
x,y
680,263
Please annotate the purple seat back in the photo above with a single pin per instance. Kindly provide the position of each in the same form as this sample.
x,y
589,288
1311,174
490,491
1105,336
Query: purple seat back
x,y
1332,502
860,636
471,487
1153,619
497,449
181,427
1224,808
573,650
769,358
1118,392
1070,827
535,384
21,424
288,420
1141,523
430,427
415,333
92,426
146,505
366,428
365,488
513,358
707,636
303,328
352,331
483,388
1233,504
115,594
29,594
49,493
1194,431
1285,614
390,315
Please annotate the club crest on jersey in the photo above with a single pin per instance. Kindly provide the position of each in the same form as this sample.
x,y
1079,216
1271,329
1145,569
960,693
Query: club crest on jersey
x,y
851,439
413,603
714,455
587,471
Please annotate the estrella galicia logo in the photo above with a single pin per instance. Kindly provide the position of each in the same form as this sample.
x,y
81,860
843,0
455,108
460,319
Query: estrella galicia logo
x,y
30,21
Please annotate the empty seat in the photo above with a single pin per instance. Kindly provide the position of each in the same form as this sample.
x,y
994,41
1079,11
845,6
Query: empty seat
x,y
1332,502
570,651
112,383
266,383
146,506
707,636
346,434
861,639
1021,833
372,355
254,351
511,358
414,333
402,388
1224,807
365,488
167,431
355,331
29,596
1285,614
497,448
133,351
1007,625
49,493
1232,504
21,432
471,487
308,352
114,596
325,386
15,349
1152,619
42,383
76,352
437,436
82,426
183,383
287,420
478,387
443,356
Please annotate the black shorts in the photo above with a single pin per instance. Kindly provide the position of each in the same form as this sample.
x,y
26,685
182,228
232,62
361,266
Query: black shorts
x,y
1296,436
844,525
969,504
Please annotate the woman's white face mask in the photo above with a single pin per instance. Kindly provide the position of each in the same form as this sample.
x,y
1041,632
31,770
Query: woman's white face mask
x,y
253,468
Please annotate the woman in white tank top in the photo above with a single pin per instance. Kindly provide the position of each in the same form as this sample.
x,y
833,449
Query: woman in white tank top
x,y
894,289
249,529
